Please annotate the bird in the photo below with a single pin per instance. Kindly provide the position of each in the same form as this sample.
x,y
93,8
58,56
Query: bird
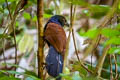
x,y
55,37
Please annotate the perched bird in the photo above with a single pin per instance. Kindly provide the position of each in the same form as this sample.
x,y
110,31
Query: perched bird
x,y
55,37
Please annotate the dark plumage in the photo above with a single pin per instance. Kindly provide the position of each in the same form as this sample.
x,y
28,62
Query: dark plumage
x,y
54,63
56,39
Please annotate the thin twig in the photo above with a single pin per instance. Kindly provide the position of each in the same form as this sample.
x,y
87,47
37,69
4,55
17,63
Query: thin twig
x,y
19,6
116,73
111,73
4,53
91,60
74,35
15,45
8,9
75,46
9,15
103,69
10,57
77,54
68,40
75,43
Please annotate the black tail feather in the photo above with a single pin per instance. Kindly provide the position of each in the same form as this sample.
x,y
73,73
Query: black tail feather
x,y
54,62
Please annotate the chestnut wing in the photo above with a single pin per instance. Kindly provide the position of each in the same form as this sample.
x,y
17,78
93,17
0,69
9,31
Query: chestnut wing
x,y
56,36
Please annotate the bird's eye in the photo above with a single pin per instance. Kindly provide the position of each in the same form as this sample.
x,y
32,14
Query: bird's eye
x,y
64,20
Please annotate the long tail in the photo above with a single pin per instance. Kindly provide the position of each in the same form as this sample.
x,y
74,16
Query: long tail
x,y
54,62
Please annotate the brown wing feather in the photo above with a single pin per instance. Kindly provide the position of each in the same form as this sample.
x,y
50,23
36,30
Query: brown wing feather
x,y
56,36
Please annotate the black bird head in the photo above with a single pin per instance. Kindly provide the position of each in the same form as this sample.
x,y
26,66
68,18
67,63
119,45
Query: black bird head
x,y
58,19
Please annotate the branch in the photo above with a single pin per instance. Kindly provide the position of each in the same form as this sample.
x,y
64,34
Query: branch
x,y
13,28
13,17
40,54
10,57
101,61
8,9
68,40
75,43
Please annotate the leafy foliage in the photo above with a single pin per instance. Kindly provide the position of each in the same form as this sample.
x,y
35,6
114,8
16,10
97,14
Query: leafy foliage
x,y
27,19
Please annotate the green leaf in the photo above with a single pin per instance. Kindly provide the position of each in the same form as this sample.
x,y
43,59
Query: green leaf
x,y
14,72
17,23
11,0
2,1
20,73
1,9
114,40
26,15
119,6
9,78
30,73
79,68
108,32
118,26
118,63
48,11
29,78
34,18
91,33
11,72
97,11
67,71
81,32
90,78
114,50
13,65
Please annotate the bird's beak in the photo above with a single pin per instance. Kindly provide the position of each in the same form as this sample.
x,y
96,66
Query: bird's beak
x,y
67,24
